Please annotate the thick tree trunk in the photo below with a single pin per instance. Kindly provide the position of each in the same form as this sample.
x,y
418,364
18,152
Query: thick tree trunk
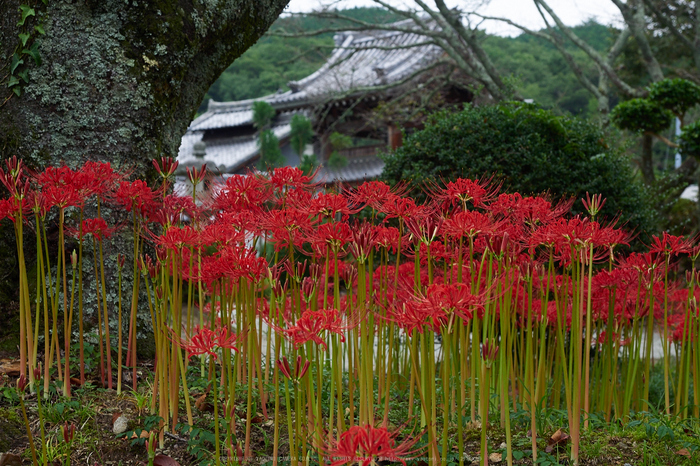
x,y
119,80
110,80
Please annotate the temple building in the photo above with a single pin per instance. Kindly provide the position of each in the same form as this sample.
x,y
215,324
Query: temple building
x,y
365,69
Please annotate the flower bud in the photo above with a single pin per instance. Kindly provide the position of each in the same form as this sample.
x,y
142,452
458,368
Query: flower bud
x,y
68,431
22,383
74,259
37,372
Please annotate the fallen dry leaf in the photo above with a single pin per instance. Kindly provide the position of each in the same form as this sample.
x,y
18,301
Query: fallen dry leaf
x,y
495,457
203,405
11,368
557,439
684,452
164,460
8,459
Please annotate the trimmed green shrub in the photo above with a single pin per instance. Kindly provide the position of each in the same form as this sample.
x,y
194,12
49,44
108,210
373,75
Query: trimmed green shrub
x,y
531,150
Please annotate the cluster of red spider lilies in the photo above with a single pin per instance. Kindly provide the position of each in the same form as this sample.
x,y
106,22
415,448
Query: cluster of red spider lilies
x,y
302,295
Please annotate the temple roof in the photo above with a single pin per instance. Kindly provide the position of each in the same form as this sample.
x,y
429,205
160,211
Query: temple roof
x,y
361,61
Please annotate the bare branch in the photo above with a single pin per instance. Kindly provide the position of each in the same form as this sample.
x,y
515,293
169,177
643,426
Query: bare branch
x,y
469,36
591,52
661,18
633,14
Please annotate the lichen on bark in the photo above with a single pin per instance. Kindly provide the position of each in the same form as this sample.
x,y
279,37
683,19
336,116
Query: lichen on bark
x,y
119,80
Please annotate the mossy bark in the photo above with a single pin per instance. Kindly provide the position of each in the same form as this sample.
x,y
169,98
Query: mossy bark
x,y
119,80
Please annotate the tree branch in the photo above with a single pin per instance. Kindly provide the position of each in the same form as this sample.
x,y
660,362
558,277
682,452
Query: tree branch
x,y
591,52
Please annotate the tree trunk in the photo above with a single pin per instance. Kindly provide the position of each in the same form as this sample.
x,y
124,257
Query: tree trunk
x,y
119,80
647,160
110,80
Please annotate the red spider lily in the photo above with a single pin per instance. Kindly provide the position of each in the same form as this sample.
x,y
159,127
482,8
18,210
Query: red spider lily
x,y
330,237
97,227
176,238
206,341
290,177
14,177
165,167
299,370
135,194
442,301
242,192
593,205
670,245
60,196
368,445
330,206
363,240
98,178
402,208
22,383
195,175
287,227
459,192
61,186
489,351
424,228
68,431
386,237
470,224
375,193
173,208
312,324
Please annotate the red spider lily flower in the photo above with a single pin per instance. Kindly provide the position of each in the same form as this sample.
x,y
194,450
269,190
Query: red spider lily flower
x,y
462,190
61,187
299,370
176,238
165,167
287,227
13,178
489,351
195,175
68,431
424,228
22,383
242,192
222,232
386,237
331,205
174,209
402,208
134,194
312,324
206,341
363,240
593,205
368,445
670,245
470,224
97,227
330,236
442,301
291,177
375,193
98,178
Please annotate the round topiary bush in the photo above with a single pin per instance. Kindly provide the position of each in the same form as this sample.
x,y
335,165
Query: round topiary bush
x,y
531,150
